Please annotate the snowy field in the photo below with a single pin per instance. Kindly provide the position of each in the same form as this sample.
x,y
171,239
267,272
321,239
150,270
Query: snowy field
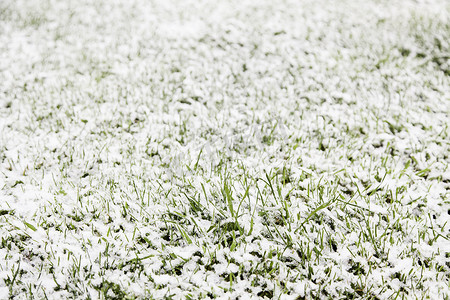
x,y
224,149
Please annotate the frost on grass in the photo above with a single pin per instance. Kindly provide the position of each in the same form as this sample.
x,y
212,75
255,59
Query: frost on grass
x,y
194,149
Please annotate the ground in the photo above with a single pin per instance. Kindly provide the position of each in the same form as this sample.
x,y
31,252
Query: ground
x,y
224,149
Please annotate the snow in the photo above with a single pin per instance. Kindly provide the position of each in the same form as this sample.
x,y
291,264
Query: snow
x,y
121,123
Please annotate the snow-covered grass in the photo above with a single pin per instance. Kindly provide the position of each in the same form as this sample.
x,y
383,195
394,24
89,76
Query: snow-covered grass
x,y
224,149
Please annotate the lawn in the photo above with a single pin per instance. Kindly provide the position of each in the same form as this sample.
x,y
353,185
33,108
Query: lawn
x,y
224,149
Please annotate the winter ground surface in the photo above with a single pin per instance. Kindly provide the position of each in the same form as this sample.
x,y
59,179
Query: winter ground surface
x,y
232,149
